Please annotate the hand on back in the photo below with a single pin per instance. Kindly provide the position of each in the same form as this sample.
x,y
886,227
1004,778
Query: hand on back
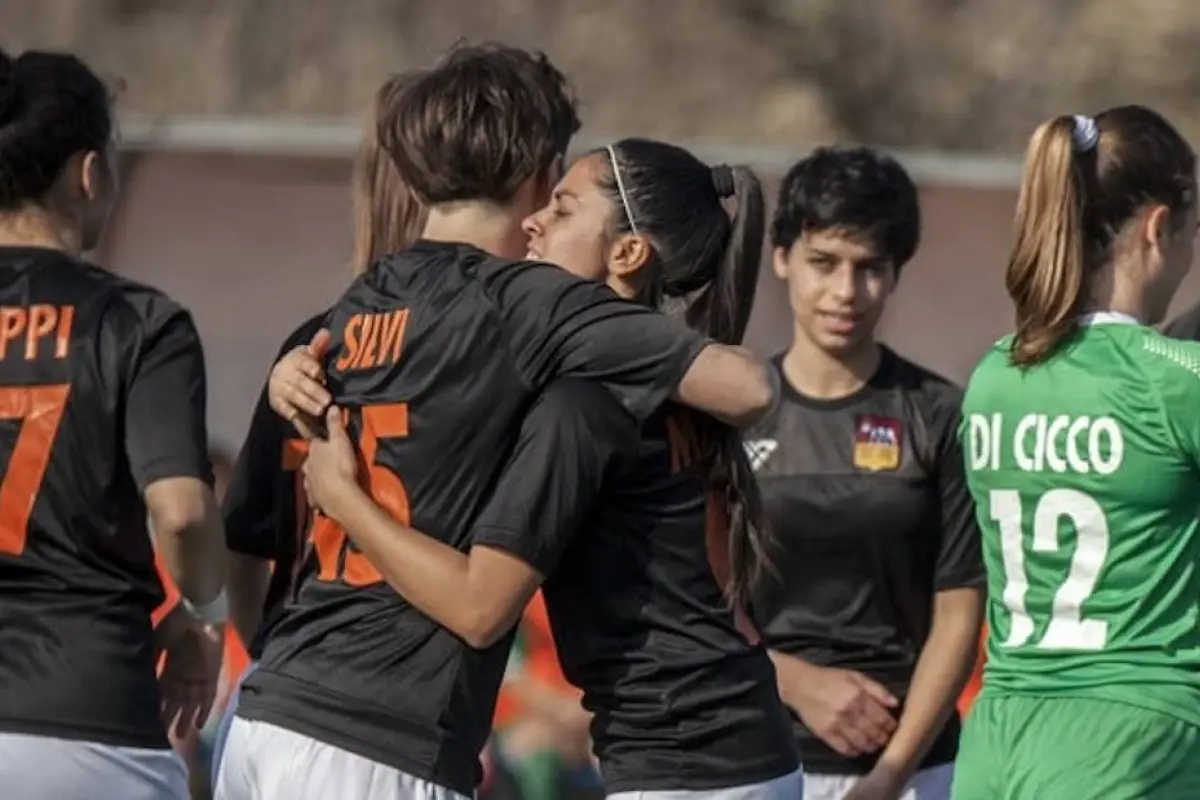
x,y
297,386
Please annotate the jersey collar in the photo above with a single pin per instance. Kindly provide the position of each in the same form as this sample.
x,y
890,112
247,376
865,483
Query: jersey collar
x,y
1107,318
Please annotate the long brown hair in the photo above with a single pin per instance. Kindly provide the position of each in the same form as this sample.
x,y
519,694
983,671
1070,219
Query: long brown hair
x,y
1084,179
387,215
706,257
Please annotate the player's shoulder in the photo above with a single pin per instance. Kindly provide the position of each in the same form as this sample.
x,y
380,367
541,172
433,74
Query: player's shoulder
x,y
1160,351
929,394
126,304
909,376
304,332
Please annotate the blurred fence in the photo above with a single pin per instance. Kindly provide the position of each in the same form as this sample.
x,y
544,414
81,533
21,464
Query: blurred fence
x,y
248,224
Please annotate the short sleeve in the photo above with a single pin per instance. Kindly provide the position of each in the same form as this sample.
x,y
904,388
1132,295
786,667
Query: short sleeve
x,y
574,436
562,326
959,557
252,509
166,434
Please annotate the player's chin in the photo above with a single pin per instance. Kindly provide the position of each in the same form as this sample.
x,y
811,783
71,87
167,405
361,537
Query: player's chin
x,y
841,343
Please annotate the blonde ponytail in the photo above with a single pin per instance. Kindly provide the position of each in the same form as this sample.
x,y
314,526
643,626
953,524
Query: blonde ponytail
x,y
1047,275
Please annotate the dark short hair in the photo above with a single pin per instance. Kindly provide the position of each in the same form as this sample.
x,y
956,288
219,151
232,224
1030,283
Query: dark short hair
x,y
52,106
852,189
479,124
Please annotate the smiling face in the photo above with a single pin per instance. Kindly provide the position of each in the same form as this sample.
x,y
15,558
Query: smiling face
x,y
838,285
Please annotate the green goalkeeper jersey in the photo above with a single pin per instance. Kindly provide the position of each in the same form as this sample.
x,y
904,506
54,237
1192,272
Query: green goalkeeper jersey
x,y
1085,472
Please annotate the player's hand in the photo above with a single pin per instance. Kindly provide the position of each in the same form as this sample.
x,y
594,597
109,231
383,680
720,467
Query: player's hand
x,y
188,681
331,469
845,709
297,386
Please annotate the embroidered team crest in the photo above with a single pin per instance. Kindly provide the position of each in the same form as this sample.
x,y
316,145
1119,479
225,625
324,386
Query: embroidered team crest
x,y
759,450
877,442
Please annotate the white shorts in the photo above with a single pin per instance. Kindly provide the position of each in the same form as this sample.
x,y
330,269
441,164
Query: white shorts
x,y
36,767
266,762
928,784
785,787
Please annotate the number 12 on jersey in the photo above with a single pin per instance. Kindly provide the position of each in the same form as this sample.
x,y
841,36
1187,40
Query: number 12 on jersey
x,y
1066,629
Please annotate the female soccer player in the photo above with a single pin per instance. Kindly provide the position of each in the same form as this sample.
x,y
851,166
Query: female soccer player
x,y
623,532
1083,458
874,626
437,351
266,514
102,392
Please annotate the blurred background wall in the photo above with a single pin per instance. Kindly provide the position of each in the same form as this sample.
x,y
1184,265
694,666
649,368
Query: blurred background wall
x,y
240,117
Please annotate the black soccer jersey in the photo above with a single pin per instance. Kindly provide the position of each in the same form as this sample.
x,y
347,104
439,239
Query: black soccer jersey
x,y
265,509
436,352
867,497
102,393
680,699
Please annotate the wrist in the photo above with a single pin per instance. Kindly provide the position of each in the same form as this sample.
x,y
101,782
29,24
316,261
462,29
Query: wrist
x,y
896,769
212,612
345,500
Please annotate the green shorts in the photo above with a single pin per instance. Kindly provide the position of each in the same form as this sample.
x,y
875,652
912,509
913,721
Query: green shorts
x,y
1072,748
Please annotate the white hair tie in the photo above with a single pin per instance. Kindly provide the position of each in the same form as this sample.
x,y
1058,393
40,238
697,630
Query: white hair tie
x,y
1086,134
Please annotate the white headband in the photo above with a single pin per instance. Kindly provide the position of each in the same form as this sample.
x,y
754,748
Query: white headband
x,y
616,168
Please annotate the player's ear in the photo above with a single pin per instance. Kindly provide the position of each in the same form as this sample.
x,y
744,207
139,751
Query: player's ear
x,y
90,171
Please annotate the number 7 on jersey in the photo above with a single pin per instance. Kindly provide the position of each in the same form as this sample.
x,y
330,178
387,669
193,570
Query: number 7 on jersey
x,y
39,410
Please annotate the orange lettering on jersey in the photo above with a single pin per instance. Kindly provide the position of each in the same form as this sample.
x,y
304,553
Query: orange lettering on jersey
x,y
393,334
352,344
36,323
66,318
373,340
12,325
42,321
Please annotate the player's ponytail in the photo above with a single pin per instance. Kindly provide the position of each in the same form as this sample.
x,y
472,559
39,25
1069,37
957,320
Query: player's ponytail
x,y
704,263
1047,276
1086,179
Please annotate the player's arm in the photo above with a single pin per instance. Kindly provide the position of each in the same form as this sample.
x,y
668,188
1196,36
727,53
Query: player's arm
x,y
946,660
251,512
567,443
167,446
562,326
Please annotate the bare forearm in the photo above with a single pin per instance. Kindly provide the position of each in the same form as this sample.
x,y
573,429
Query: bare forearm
x,y
430,575
247,591
941,673
791,676
188,532
730,383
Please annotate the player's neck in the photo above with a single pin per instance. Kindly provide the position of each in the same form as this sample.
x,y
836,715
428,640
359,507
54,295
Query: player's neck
x,y
1113,294
489,227
816,373
36,228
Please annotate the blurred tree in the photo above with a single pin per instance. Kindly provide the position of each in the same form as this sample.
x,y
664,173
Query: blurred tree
x,y
957,74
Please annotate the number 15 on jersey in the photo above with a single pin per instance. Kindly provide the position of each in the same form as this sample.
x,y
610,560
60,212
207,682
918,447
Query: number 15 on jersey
x,y
1066,627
